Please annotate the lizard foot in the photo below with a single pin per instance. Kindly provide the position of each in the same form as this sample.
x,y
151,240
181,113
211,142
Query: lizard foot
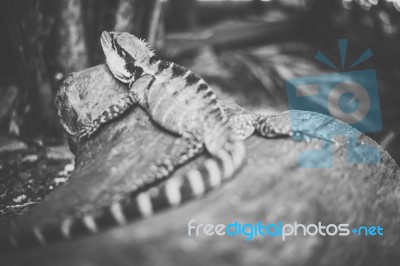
x,y
267,127
87,131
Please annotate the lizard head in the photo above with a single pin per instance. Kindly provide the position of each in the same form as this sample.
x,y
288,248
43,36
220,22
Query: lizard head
x,y
125,55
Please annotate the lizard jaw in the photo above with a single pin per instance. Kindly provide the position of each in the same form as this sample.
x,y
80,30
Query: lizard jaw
x,y
115,62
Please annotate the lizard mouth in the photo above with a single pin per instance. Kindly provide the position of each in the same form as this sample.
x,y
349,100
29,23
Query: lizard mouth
x,y
106,40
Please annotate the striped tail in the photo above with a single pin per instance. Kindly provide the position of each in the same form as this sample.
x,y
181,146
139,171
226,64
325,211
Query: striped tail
x,y
173,192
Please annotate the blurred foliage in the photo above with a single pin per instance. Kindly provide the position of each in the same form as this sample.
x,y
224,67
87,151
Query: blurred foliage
x,y
44,40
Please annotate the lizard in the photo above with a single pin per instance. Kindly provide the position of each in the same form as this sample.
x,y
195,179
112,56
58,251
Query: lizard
x,y
180,102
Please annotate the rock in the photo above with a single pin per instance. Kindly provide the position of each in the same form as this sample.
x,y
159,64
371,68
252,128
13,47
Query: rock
x,y
60,180
59,153
19,198
31,158
269,188
8,144
68,169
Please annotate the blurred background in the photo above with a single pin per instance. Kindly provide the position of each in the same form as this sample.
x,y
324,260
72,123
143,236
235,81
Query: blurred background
x,y
245,49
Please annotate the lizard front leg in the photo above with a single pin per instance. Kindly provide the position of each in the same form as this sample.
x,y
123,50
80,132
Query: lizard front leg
x,y
112,112
245,123
266,126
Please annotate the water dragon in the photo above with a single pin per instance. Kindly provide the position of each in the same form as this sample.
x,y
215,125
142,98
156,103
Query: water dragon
x,y
180,102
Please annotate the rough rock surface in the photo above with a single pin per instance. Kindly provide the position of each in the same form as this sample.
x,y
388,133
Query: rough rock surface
x,y
270,188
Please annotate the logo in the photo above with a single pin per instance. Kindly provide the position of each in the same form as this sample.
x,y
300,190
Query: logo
x,y
283,231
349,96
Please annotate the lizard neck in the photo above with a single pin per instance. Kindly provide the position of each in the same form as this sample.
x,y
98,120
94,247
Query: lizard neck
x,y
150,66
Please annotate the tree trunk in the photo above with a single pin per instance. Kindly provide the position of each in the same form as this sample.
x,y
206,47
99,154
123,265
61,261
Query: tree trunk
x,y
27,29
140,17
71,53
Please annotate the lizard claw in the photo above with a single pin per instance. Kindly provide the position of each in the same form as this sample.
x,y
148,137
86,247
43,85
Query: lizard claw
x,y
83,133
86,132
267,127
